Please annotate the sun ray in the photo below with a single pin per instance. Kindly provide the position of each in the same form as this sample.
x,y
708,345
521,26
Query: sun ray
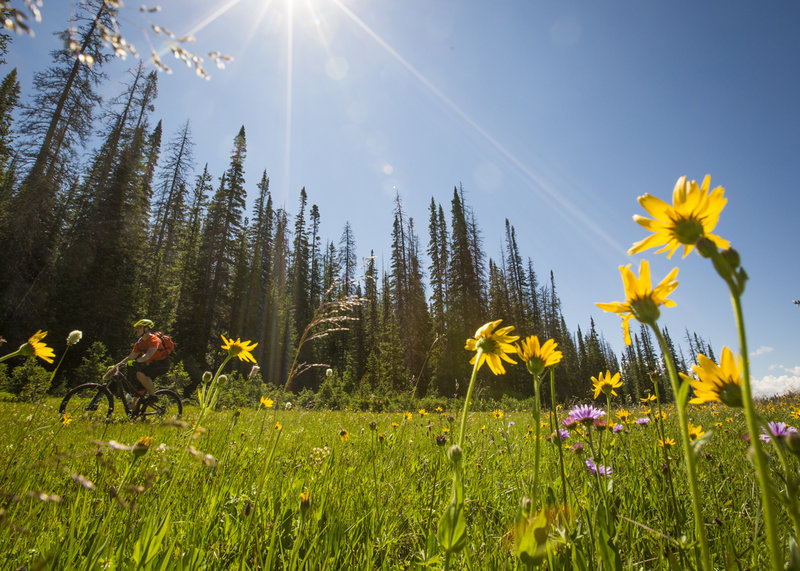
x,y
318,25
571,212
213,16
257,20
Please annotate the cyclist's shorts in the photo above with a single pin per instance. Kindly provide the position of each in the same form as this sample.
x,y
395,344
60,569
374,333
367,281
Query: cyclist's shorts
x,y
155,369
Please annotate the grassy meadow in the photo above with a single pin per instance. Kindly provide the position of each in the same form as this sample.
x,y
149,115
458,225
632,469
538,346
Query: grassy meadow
x,y
294,489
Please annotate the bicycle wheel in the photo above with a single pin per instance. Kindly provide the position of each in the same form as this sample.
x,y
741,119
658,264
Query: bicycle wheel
x,y
87,401
168,406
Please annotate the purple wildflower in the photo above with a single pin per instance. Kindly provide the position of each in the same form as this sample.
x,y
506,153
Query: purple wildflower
x,y
598,469
583,413
779,429
563,433
643,420
577,448
617,428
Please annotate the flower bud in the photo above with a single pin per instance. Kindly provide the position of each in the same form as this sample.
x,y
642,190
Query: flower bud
x,y
793,443
142,446
645,310
732,257
706,247
328,372
254,371
74,337
207,377
305,502
455,454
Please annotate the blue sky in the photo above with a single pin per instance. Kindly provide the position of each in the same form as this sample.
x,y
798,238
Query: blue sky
x,y
555,115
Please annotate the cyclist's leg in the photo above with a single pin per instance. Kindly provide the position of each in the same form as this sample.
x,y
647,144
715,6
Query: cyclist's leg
x,y
147,373
146,381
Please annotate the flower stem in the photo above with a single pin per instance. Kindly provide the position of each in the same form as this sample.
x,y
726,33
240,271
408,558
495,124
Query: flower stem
x,y
53,374
537,415
14,354
554,413
468,397
770,521
688,452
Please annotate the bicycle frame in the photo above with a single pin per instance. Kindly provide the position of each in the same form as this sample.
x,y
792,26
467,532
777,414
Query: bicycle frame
x,y
120,386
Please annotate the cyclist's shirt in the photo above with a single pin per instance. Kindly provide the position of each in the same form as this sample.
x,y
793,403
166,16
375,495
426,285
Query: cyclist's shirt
x,y
147,341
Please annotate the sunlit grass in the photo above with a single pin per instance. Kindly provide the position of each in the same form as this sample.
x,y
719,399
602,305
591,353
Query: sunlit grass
x,y
85,494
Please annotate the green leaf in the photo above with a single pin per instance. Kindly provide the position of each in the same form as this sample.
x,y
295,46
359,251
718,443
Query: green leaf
x,y
452,532
683,393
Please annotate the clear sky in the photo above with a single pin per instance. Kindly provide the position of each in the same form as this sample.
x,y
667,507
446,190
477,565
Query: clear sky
x,y
555,115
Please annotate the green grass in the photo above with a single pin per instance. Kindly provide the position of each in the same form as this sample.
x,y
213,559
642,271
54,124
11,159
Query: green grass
x,y
72,496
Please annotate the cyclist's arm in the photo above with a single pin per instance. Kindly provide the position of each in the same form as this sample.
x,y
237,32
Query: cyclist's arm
x,y
146,357
132,355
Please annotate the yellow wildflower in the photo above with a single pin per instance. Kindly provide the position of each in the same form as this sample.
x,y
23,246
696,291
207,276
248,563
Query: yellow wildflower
x,y
267,402
642,300
239,348
538,357
498,414
721,383
35,348
493,346
695,432
606,383
694,214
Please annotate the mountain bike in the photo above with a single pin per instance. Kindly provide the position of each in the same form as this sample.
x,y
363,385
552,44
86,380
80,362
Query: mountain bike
x,y
96,400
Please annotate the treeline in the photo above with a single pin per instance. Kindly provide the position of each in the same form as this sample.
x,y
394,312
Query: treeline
x,y
138,230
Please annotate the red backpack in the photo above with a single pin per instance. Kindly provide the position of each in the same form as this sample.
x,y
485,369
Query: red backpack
x,y
166,342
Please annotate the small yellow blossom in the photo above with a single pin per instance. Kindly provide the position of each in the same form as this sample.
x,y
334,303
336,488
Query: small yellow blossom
x,y
721,383
240,349
493,345
498,414
36,348
642,299
695,432
267,402
538,357
344,435
423,412
648,398
606,383
666,442
407,415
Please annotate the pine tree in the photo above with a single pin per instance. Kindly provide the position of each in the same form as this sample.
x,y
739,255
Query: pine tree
x,y
55,126
169,217
348,259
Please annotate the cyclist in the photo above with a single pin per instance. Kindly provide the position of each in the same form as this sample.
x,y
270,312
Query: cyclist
x,y
149,356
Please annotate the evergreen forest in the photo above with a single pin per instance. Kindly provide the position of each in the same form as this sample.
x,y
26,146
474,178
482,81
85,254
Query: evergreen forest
x,y
107,216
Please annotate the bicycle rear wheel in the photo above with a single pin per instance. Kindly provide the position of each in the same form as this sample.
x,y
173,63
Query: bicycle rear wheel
x,y
168,406
90,400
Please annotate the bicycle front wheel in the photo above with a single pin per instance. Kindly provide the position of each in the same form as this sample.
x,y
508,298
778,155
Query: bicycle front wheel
x,y
90,401
168,406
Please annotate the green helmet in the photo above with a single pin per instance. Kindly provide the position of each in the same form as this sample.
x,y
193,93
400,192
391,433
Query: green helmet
x,y
144,323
